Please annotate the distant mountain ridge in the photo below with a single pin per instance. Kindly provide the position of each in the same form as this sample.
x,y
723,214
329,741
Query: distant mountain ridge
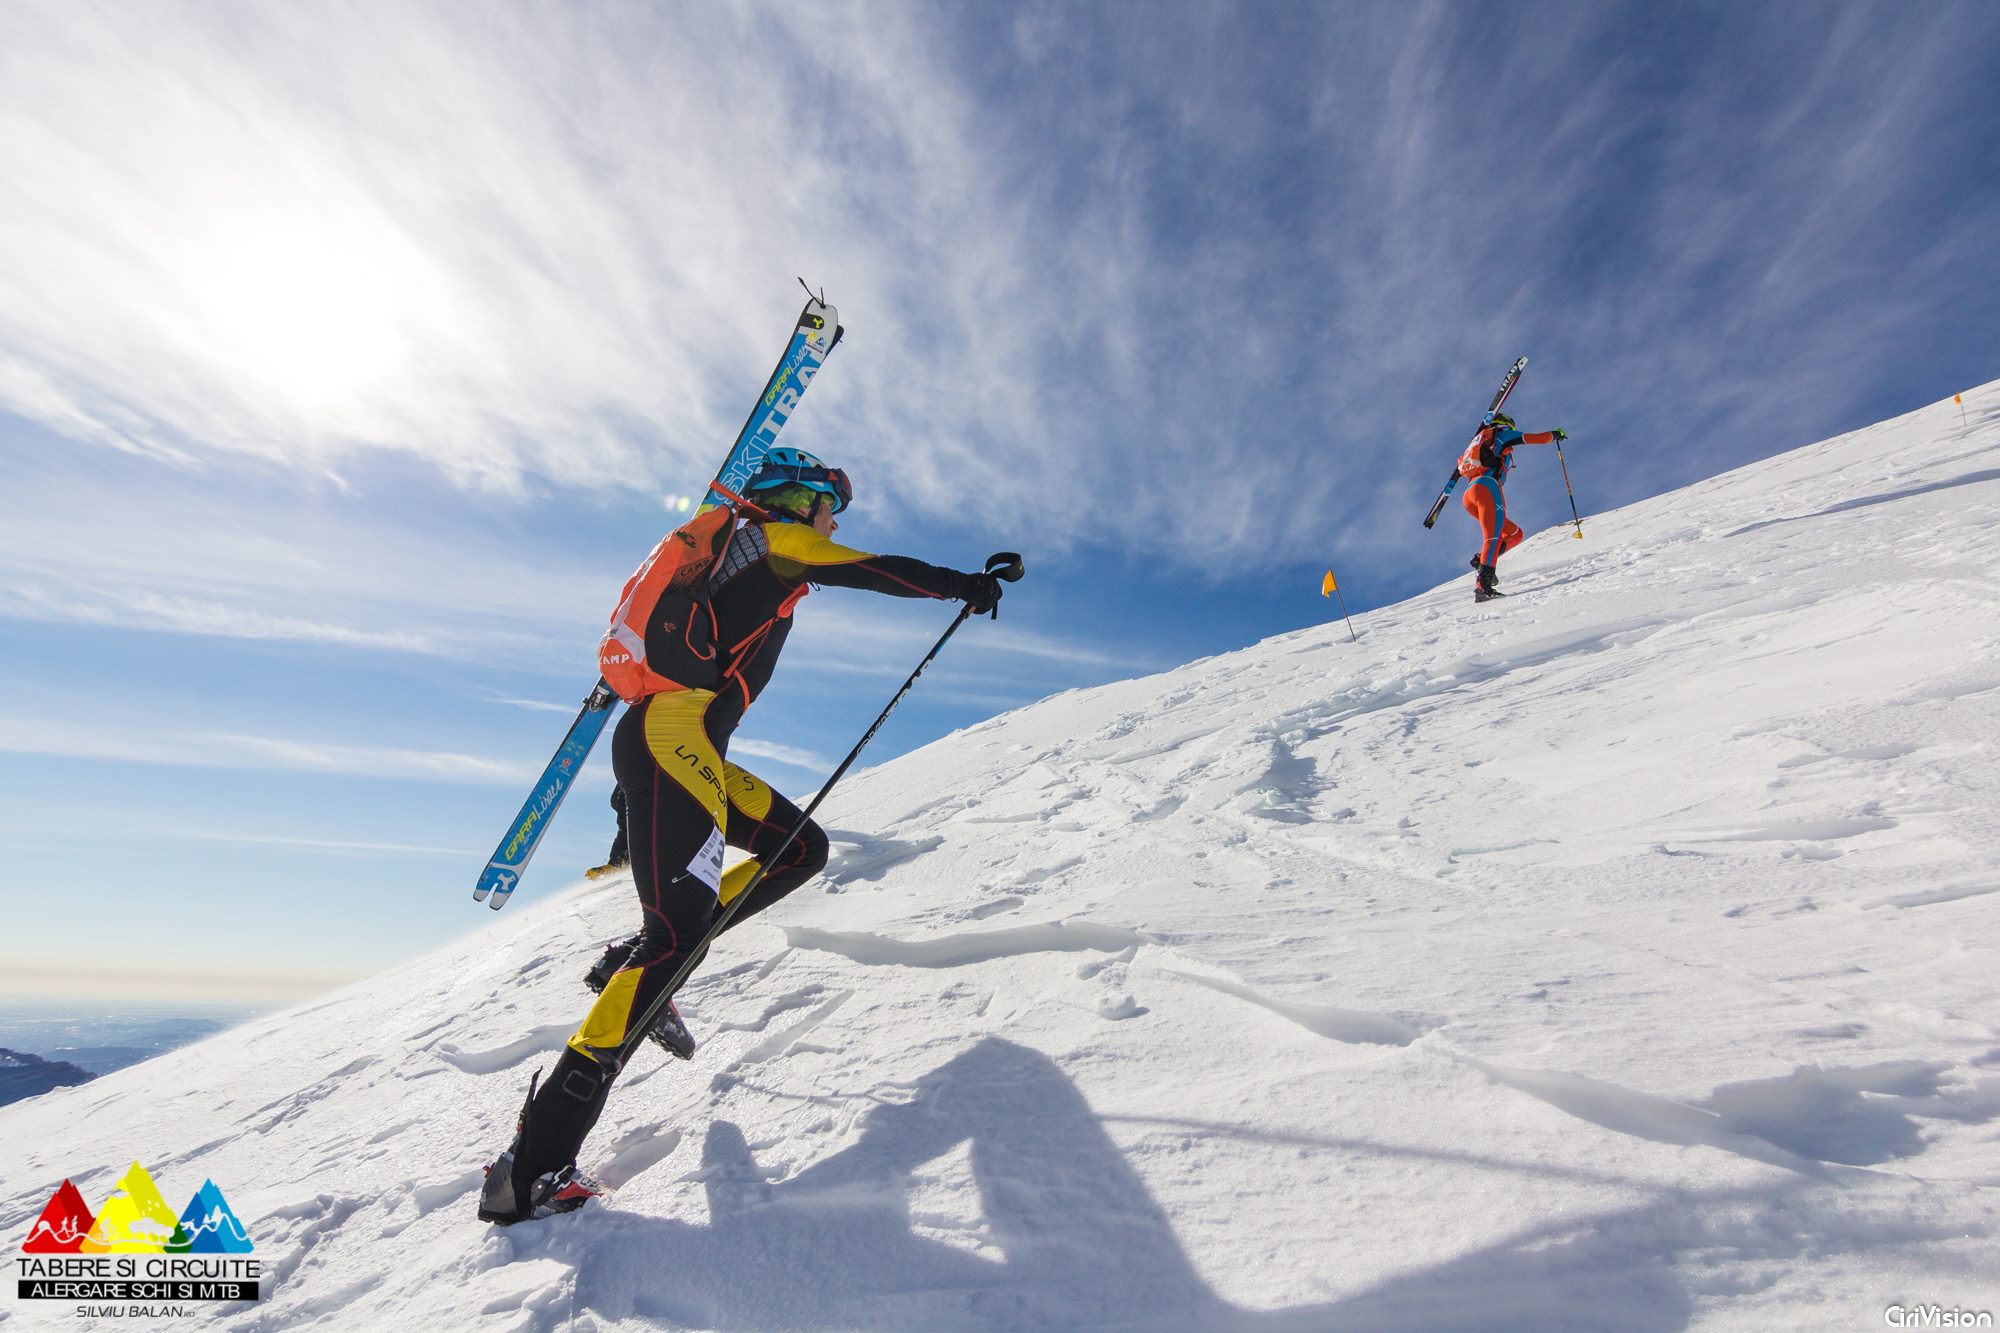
x,y
23,1075
101,1040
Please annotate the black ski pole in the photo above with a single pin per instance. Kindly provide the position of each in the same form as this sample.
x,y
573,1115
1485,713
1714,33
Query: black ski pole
x,y
1006,565
1567,491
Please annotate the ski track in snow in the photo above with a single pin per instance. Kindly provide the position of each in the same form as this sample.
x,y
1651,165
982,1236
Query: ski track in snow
x,y
1615,955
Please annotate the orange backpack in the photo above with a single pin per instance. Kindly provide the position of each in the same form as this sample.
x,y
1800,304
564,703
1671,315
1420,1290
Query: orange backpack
x,y
662,635
1479,458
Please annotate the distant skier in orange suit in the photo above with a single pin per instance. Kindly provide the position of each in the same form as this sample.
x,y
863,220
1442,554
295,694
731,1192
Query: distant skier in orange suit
x,y
1485,463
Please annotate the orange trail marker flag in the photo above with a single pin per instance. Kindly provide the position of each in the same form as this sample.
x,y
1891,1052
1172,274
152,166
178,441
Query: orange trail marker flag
x,y
1328,587
1959,398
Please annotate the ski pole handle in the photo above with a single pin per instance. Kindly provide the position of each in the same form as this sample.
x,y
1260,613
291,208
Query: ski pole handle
x,y
1001,566
1006,565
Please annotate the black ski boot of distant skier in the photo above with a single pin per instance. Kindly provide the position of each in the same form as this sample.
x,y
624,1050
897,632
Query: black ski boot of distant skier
x,y
668,1032
1486,585
503,1200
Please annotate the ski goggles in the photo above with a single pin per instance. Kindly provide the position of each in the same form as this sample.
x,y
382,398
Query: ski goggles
x,y
843,490
828,481
813,475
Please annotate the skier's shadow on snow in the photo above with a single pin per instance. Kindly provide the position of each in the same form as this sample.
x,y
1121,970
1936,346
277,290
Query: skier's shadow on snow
x,y
1067,1237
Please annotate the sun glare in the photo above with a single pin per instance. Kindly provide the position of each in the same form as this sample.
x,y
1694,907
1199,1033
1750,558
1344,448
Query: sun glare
x,y
314,313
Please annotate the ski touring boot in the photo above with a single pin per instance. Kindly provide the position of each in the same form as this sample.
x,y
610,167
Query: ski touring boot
x,y
563,1190
668,1032
504,1200
1487,586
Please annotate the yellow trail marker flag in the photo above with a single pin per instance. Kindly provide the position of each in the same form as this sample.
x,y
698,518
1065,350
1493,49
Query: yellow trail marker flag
x,y
1327,587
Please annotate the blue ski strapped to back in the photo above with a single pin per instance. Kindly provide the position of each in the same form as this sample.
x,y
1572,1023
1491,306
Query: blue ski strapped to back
x,y
813,338
811,343
510,858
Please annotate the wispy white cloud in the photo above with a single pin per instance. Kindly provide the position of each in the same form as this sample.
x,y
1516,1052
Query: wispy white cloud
x,y
1169,286
443,245
225,750
189,560
138,610
864,633
783,754
251,560
537,705
316,844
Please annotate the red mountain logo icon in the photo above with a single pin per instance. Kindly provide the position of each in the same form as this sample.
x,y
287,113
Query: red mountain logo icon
x,y
62,1226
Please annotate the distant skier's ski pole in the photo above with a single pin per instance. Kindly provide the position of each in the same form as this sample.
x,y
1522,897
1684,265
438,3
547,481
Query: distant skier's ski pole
x,y
1571,494
1327,585
1006,565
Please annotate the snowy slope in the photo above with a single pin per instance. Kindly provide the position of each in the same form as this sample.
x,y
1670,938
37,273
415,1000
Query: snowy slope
x,y
1617,955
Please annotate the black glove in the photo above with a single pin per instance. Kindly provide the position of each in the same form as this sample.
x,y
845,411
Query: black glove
x,y
1560,433
980,593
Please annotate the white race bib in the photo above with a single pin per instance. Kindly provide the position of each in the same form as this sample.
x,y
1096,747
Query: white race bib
x,y
707,863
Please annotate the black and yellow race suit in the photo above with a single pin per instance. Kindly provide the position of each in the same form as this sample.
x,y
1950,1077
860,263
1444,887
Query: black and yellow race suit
x,y
685,802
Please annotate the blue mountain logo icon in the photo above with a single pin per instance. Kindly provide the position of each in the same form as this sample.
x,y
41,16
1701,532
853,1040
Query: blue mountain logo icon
x,y
211,1225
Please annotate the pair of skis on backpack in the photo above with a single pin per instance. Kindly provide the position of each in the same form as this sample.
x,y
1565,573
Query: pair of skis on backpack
x,y
1451,482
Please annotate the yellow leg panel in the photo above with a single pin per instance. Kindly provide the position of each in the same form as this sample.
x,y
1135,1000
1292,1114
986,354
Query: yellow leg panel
x,y
604,1026
737,880
680,746
748,792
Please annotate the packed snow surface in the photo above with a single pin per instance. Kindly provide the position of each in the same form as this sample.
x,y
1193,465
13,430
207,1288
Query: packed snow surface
x,y
1617,955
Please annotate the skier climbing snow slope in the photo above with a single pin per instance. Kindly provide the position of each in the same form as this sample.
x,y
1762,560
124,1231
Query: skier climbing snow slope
x,y
1621,961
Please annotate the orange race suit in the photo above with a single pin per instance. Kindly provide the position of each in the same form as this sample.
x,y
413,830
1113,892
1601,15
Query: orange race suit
x,y
1485,463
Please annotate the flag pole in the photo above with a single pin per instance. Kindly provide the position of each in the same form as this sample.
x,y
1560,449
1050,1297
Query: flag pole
x,y
1327,585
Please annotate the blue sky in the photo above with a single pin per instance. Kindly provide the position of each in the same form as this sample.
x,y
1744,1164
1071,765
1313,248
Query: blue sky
x,y
349,354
